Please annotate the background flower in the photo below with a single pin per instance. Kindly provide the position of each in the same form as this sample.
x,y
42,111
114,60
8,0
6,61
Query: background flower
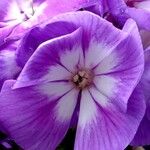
x,y
16,16
138,10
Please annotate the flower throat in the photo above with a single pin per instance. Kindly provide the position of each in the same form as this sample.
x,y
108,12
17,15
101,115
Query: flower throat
x,y
82,79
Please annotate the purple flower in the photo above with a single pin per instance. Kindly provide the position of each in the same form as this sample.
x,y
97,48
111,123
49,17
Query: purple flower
x,y
82,77
139,10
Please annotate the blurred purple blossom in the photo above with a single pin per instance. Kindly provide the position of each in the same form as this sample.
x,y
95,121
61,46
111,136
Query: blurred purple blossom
x,y
139,10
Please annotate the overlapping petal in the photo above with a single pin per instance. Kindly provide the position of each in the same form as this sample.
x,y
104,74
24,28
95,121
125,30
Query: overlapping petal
x,y
38,35
26,14
95,31
141,16
120,58
116,72
145,36
100,128
11,10
115,59
137,11
142,135
9,68
40,119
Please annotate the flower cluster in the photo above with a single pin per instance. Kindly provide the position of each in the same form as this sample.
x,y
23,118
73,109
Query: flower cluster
x,y
81,64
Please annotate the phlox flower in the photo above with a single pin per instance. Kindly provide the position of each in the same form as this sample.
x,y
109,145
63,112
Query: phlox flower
x,y
81,76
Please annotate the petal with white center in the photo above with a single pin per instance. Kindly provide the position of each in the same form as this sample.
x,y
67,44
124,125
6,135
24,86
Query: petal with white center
x,y
34,119
119,72
50,61
106,85
97,40
102,43
104,129
113,90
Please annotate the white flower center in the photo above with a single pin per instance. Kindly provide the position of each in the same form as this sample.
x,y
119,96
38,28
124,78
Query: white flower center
x,y
28,12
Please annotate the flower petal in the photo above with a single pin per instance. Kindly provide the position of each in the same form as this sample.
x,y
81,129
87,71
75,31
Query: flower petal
x,y
145,36
5,32
138,12
67,23
41,115
141,17
117,9
97,42
104,129
26,14
45,9
119,72
38,35
142,136
8,66
5,6
145,81
143,5
61,54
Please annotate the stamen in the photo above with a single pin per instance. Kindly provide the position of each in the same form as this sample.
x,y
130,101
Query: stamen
x,y
26,9
82,79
